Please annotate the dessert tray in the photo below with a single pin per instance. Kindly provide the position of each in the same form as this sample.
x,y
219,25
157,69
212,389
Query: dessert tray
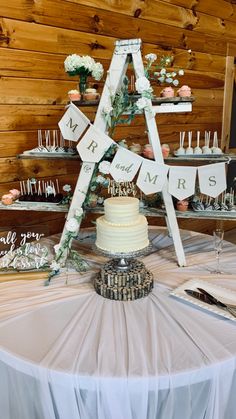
x,y
225,295
192,156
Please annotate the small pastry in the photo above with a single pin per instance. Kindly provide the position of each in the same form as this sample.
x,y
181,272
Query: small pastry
x,y
165,150
7,199
92,200
206,149
15,193
90,94
189,149
148,151
182,205
197,206
215,149
123,143
197,149
216,206
168,92
184,91
135,148
181,149
74,95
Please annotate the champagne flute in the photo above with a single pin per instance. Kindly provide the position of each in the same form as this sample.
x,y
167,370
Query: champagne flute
x,y
218,235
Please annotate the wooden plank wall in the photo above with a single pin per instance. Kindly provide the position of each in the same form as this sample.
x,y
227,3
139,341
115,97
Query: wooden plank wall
x,y
37,35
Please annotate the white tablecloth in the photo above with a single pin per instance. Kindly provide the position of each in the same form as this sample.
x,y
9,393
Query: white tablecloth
x,y
67,353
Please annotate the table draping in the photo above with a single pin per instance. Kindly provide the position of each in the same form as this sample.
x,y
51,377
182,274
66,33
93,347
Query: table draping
x,y
68,353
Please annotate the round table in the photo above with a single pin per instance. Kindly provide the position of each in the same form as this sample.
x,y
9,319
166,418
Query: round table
x,y
68,353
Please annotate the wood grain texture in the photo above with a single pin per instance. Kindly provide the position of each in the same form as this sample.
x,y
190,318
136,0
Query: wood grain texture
x,y
95,20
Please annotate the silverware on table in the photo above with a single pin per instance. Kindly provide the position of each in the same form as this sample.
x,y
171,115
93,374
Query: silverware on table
x,y
216,300
207,298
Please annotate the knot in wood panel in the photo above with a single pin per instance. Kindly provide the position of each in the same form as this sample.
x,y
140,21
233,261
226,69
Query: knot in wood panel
x,y
137,12
4,39
96,45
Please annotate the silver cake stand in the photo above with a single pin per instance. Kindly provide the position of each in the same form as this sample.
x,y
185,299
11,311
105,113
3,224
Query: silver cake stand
x,y
122,260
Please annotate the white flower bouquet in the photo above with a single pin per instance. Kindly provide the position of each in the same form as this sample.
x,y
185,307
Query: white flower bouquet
x,y
161,74
83,65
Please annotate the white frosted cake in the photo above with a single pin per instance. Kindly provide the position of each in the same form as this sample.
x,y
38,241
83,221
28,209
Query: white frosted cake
x,y
122,229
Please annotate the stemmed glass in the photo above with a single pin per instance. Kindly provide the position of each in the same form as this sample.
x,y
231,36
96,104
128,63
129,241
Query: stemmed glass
x,y
218,235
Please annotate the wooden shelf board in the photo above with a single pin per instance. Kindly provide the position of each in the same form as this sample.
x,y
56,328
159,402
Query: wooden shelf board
x,y
223,158
155,100
210,215
34,207
47,156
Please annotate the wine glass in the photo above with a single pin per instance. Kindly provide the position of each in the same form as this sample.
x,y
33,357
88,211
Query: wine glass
x,y
218,235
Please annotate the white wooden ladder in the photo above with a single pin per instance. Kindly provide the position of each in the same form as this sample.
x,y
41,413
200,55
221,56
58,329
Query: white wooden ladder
x,y
126,51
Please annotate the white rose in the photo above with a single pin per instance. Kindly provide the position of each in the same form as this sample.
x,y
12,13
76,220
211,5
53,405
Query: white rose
x,y
142,84
142,103
55,266
78,212
66,188
163,71
176,82
56,248
72,225
151,57
161,79
100,179
107,110
104,167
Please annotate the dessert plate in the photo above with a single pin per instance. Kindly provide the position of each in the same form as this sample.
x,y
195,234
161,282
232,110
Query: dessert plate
x,y
192,156
43,203
225,295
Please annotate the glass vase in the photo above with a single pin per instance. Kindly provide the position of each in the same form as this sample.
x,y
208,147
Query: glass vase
x,y
82,83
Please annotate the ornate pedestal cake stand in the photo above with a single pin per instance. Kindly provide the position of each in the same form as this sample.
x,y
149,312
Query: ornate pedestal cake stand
x,y
123,278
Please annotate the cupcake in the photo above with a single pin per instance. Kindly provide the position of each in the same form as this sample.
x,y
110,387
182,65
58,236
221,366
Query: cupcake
x,y
135,148
184,91
148,151
182,205
123,143
74,95
15,193
90,94
165,150
168,92
92,200
7,199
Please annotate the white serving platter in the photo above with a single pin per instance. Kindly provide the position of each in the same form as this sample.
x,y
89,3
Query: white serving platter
x,y
225,295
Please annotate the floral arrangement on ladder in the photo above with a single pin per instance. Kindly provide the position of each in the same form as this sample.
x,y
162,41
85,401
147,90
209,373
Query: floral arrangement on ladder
x,y
125,101
122,102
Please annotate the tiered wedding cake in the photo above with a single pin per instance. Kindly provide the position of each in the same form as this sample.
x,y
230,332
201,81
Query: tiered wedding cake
x,y
121,231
